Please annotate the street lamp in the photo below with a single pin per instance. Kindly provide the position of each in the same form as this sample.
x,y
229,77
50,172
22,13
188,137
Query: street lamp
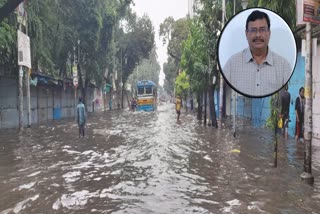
x,y
244,4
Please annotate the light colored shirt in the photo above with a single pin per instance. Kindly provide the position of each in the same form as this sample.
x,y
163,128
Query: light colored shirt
x,y
252,79
81,114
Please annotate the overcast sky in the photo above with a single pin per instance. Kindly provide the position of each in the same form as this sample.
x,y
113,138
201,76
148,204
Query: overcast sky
x,y
158,10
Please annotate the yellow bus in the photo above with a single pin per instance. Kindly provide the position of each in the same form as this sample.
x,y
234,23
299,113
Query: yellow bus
x,y
146,95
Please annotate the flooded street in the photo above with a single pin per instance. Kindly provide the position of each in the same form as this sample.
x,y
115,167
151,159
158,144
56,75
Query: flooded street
x,y
146,162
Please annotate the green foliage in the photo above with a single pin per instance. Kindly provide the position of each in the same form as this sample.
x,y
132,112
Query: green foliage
x,y
54,28
135,42
285,8
200,48
173,33
148,69
195,56
170,70
272,121
182,85
8,47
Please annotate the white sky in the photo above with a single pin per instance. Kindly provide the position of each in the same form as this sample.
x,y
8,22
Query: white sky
x,y
158,10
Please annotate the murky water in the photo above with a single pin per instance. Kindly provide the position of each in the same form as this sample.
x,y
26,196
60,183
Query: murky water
x,y
138,162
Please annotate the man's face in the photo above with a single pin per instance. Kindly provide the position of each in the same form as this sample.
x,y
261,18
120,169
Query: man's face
x,y
302,93
258,34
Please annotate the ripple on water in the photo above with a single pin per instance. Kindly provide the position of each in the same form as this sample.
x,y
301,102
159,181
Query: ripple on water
x,y
74,200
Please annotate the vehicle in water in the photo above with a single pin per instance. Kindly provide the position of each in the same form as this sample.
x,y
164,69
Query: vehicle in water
x,y
146,95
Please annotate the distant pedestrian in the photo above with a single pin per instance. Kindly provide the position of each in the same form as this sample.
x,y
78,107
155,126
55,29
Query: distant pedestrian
x,y
110,104
285,110
178,107
81,117
299,109
133,104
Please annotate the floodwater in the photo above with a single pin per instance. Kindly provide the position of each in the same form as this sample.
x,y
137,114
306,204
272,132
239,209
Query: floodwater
x,y
146,162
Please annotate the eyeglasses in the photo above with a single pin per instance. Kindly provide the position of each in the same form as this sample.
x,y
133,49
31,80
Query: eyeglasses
x,y
261,30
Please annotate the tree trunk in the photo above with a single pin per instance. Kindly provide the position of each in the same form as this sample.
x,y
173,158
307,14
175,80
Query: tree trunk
x,y
186,102
205,108
122,96
199,98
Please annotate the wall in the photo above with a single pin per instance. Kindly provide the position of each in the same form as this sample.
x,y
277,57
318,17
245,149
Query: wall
x,y
258,109
46,101
316,97
296,81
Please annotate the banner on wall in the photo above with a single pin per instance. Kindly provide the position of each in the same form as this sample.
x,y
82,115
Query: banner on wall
x,y
311,11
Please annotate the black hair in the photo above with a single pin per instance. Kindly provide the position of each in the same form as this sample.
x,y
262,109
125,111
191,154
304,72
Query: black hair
x,y
80,99
257,14
302,88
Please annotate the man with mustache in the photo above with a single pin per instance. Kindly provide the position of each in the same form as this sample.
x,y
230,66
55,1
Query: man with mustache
x,y
257,71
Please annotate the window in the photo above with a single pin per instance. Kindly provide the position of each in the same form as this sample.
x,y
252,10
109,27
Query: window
x,y
149,90
140,90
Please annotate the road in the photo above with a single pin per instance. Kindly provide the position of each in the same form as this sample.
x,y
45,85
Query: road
x,y
147,162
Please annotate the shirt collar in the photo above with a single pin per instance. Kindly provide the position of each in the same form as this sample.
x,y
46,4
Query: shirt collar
x,y
249,58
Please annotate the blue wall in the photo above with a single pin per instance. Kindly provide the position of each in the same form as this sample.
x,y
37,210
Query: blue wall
x,y
258,109
296,81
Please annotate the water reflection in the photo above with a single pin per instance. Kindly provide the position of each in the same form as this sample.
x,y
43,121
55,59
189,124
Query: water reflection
x,y
146,162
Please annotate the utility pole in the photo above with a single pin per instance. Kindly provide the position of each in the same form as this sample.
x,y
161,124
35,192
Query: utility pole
x,y
233,92
121,80
20,93
20,98
28,97
307,174
221,78
24,58
28,88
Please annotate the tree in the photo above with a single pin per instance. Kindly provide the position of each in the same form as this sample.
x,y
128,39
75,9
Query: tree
x,y
64,32
170,71
194,62
8,48
199,56
182,85
148,69
285,8
173,33
135,41
82,32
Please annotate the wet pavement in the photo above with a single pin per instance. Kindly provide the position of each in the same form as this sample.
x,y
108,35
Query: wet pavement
x,y
146,162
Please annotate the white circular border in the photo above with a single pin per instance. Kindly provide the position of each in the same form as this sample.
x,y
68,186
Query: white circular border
x,y
233,38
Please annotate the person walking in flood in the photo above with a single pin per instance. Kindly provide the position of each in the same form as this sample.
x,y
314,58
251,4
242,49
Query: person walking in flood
x,y
81,117
178,106
299,109
285,110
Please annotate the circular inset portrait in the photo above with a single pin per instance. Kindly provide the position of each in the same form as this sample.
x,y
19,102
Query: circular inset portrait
x,y
257,52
